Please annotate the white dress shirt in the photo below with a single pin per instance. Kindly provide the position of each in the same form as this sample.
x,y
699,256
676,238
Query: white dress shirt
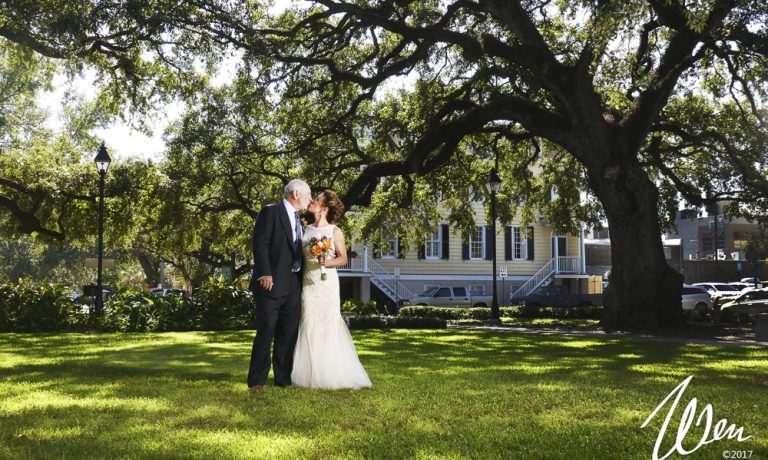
x,y
291,217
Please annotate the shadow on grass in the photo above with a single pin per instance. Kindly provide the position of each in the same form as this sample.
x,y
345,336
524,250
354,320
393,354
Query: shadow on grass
x,y
471,393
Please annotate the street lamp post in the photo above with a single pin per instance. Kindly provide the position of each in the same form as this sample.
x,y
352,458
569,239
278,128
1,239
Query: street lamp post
x,y
102,161
493,184
715,237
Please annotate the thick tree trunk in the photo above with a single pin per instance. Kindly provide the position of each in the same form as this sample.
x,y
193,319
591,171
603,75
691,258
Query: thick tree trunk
x,y
151,268
644,291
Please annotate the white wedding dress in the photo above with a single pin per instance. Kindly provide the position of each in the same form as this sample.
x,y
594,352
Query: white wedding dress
x,y
325,356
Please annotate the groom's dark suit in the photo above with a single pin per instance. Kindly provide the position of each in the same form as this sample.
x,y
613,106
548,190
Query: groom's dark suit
x,y
277,311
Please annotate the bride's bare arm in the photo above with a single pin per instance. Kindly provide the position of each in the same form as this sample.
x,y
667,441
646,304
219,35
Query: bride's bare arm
x,y
341,250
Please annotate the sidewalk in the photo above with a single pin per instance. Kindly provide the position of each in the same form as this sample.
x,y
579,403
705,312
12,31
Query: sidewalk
x,y
620,335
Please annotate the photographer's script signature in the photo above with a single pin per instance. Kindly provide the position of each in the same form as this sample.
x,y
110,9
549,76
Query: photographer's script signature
x,y
721,429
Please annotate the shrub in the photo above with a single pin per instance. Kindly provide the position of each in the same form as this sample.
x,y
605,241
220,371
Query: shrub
x,y
359,308
456,313
443,313
177,313
35,307
381,322
350,305
225,306
130,310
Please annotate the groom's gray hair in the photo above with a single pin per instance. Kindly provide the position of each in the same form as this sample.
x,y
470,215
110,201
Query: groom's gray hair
x,y
296,184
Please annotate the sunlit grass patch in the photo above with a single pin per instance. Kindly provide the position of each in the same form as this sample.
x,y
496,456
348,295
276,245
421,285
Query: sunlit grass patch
x,y
436,394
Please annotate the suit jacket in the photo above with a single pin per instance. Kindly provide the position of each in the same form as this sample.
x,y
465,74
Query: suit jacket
x,y
273,253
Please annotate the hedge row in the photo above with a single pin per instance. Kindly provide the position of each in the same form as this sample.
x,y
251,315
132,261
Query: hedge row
x,y
458,313
46,307
33,307
383,322
216,306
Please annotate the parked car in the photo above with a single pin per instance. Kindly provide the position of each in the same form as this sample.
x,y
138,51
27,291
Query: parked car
x,y
696,298
160,292
741,286
558,296
745,306
449,296
751,280
719,292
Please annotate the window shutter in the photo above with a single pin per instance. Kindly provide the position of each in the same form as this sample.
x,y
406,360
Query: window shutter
x,y
530,244
507,243
488,246
421,252
376,251
465,251
444,236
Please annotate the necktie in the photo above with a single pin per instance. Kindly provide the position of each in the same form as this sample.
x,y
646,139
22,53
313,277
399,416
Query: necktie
x,y
297,243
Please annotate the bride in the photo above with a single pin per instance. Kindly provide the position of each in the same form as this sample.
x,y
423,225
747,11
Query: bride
x,y
325,356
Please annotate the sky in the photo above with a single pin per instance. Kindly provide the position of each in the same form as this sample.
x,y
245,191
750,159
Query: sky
x,y
121,140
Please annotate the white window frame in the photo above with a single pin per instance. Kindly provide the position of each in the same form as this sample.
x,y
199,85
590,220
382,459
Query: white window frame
x,y
519,244
391,249
482,243
431,242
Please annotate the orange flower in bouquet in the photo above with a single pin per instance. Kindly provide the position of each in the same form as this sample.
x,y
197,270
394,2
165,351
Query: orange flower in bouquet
x,y
320,248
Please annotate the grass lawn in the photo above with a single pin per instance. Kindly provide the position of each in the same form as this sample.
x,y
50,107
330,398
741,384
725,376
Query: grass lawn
x,y
437,394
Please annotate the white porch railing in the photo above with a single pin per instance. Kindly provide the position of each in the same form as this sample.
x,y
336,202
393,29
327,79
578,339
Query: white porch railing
x,y
544,273
554,266
569,265
354,265
387,282
380,277
395,290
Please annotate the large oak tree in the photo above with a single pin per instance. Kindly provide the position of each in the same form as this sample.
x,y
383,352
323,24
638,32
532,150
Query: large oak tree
x,y
637,103
652,101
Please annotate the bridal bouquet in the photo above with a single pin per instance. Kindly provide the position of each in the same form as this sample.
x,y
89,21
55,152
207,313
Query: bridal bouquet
x,y
320,248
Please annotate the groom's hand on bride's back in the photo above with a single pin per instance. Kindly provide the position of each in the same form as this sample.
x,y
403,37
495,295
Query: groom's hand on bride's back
x,y
265,282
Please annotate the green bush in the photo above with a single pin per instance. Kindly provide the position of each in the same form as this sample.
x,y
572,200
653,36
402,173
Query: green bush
x,y
225,306
443,313
456,313
381,322
130,310
359,308
35,307
177,313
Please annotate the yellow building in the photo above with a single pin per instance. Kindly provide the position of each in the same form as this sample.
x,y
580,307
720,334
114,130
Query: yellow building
x,y
524,262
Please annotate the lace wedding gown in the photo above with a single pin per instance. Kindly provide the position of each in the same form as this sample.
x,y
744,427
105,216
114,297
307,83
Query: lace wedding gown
x,y
325,356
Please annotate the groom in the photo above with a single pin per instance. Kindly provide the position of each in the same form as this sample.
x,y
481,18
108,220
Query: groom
x,y
276,285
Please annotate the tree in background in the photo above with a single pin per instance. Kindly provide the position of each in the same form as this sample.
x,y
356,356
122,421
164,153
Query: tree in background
x,y
637,103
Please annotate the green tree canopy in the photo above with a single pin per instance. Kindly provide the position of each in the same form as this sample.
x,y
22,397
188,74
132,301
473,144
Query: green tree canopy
x,y
636,103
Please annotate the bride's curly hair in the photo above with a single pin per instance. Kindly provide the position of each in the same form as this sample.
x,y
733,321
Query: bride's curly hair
x,y
335,206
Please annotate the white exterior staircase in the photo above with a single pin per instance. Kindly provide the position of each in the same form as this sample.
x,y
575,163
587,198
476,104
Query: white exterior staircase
x,y
548,271
387,282
380,277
